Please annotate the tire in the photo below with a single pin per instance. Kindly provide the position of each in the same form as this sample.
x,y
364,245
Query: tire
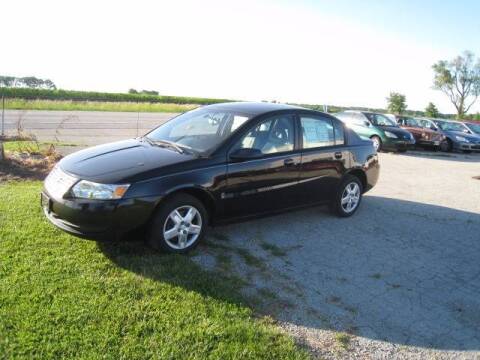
x,y
184,235
402,150
351,182
446,145
377,142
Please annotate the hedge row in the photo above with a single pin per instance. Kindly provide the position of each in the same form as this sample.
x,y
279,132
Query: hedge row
x,y
30,94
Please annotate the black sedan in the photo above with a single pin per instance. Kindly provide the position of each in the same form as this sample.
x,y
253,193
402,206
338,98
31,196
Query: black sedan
x,y
211,165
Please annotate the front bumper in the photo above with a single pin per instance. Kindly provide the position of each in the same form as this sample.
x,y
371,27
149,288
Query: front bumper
x,y
422,142
467,146
398,144
97,219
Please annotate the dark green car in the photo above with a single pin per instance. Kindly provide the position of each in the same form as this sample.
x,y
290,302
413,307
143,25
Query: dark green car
x,y
383,131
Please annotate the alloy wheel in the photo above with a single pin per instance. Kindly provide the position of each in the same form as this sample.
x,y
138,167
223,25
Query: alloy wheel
x,y
182,227
376,142
350,197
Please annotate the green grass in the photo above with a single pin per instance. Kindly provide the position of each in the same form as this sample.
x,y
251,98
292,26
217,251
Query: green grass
x,y
69,105
31,146
343,340
62,297
273,249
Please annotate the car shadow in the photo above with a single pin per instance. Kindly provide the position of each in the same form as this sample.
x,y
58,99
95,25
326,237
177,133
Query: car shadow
x,y
397,271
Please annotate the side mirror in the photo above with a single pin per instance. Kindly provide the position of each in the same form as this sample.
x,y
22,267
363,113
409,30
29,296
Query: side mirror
x,y
466,131
366,123
246,154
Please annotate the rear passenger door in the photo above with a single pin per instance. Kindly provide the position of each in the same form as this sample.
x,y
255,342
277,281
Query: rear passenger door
x,y
323,156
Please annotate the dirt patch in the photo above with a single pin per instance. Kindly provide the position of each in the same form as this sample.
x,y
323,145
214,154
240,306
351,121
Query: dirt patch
x,y
26,167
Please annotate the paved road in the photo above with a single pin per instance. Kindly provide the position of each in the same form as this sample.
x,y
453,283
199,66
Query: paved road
x,y
82,127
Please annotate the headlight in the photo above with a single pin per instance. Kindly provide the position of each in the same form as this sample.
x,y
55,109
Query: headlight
x,y
89,190
58,182
461,138
390,135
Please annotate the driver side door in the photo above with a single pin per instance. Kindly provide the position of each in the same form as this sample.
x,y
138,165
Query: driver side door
x,y
269,182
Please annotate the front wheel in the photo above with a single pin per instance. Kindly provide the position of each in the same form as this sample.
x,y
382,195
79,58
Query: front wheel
x,y
446,145
348,197
178,225
377,142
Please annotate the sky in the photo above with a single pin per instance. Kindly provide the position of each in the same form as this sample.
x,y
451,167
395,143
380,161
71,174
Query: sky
x,y
343,52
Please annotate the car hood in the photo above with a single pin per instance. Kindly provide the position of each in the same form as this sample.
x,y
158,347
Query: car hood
x,y
120,161
420,130
469,137
397,131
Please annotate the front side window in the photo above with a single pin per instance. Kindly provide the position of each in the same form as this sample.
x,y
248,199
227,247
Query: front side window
x,y
271,136
200,130
317,132
475,128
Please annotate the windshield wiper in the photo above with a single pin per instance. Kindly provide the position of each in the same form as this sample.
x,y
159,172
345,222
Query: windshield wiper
x,y
165,143
173,145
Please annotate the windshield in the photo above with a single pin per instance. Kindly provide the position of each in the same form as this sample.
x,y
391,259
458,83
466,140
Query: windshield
x,y
451,126
381,120
411,122
474,127
200,130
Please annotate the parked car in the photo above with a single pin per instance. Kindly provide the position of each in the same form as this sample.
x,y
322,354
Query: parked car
x,y
424,136
381,130
473,127
458,137
211,165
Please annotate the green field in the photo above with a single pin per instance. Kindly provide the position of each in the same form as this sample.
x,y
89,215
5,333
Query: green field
x,y
61,297
70,105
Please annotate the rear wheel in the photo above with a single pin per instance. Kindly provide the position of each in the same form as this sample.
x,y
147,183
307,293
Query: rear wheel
x,y
178,225
377,142
348,197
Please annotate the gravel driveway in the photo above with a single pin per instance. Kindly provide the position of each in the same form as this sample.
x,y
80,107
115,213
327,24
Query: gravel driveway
x,y
399,279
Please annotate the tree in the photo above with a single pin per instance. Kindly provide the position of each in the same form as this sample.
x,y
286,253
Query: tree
x,y
29,82
459,79
132,91
431,111
397,103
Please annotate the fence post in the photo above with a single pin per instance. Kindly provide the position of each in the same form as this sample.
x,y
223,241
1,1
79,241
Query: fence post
x,y
3,115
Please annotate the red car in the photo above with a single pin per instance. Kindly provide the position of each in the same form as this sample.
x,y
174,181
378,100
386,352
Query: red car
x,y
424,136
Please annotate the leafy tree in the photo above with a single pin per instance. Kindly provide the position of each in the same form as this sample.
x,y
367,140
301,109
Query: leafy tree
x,y
459,79
132,91
397,103
431,111
27,82
7,81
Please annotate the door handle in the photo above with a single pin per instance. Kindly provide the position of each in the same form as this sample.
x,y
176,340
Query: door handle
x,y
338,155
288,162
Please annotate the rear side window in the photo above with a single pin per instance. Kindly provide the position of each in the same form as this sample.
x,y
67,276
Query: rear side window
x,y
317,132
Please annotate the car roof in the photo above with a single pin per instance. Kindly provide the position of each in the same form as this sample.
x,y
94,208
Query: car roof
x,y
255,108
